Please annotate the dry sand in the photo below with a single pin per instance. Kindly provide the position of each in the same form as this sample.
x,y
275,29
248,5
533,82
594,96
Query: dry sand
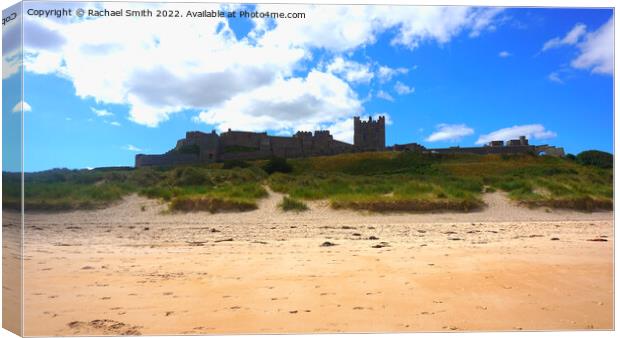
x,y
132,269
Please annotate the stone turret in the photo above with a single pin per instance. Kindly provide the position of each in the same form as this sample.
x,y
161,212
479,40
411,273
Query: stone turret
x,y
369,135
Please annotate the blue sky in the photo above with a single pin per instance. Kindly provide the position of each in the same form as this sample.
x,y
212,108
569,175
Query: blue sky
x,y
443,76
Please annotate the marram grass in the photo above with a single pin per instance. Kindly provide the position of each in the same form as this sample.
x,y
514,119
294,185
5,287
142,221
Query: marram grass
x,y
380,181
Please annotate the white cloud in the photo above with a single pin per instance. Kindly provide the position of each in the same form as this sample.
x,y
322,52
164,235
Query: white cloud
x,y
296,103
21,105
531,131
11,64
11,44
351,71
343,28
384,95
403,89
386,73
449,132
597,50
101,112
131,147
504,54
146,66
555,77
116,124
342,130
570,38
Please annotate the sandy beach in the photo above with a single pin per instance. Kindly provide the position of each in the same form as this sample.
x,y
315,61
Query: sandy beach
x,y
134,269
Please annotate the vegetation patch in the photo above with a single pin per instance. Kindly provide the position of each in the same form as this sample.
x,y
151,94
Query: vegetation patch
x,y
277,165
291,204
231,164
582,203
596,158
210,204
407,205
376,181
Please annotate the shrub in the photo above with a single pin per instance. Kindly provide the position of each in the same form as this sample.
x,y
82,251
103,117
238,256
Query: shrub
x,y
230,164
291,204
596,158
277,165
210,204
190,176
570,157
587,203
407,205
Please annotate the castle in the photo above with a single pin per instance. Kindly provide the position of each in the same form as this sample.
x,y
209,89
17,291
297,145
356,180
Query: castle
x,y
198,147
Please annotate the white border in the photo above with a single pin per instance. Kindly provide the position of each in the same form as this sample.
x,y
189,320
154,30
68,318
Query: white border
x,y
501,3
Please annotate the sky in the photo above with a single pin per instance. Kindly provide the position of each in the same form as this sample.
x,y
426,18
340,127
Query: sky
x,y
99,90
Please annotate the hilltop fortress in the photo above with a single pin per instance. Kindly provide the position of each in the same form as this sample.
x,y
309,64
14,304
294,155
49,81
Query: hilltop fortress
x,y
198,147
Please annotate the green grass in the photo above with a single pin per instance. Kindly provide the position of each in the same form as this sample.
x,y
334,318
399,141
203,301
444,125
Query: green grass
x,y
291,204
211,204
383,181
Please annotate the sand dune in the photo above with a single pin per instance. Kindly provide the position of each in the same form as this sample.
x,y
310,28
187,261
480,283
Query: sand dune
x,y
135,269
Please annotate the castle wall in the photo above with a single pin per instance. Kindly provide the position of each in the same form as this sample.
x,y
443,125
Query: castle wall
x,y
208,144
408,147
368,136
485,150
242,139
258,155
286,146
167,159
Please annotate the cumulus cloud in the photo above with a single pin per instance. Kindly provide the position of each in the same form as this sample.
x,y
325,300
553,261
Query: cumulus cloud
x,y
21,106
114,123
343,28
295,103
386,73
385,95
11,64
11,43
131,147
352,71
531,131
41,37
504,54
597,50
449,132
147,67
403,89
571,38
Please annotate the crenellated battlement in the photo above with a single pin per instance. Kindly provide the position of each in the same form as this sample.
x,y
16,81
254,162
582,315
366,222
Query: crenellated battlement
x,y
370,134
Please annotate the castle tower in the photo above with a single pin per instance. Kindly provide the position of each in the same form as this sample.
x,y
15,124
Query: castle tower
x,y
369,135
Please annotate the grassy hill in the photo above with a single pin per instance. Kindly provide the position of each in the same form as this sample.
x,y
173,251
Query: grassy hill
x,y
376,181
